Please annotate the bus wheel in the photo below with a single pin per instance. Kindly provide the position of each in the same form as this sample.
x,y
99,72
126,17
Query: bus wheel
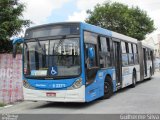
x,y
134,80
150,73
108,88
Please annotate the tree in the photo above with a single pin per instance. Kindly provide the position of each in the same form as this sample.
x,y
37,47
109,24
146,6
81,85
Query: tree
x,y
11,22
117,17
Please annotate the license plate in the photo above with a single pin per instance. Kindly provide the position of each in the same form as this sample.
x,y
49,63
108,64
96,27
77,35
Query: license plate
x,y
50,94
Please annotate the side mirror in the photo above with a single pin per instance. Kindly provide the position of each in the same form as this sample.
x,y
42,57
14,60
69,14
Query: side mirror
x,y
15,41
91,53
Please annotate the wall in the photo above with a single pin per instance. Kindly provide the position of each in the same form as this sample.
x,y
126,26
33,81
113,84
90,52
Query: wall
x,y
10,78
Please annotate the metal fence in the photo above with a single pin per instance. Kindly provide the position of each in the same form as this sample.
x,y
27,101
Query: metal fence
x,y
10,78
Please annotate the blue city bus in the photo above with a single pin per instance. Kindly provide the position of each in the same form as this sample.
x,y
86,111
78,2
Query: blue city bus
x,y
79,62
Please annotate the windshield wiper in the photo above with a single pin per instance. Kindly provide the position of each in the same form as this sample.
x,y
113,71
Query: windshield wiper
x,y
55,47
26,45
36,39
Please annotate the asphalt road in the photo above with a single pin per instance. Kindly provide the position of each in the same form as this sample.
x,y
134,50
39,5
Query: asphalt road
x,y
144,98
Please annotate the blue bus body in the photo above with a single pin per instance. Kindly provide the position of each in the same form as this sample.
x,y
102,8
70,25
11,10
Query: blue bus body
x,y
62,89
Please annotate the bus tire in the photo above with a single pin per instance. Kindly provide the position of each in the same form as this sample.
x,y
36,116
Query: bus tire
x,y
108,88
134,80
150,73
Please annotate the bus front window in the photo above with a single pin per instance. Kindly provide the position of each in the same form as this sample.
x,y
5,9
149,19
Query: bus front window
x,y
50,58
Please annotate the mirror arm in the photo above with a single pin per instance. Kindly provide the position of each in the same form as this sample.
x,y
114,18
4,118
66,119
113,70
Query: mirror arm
x,y
17,40
14,42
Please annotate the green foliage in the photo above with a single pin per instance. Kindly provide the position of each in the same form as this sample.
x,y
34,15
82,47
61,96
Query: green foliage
x,y
11,23
2,104
117,17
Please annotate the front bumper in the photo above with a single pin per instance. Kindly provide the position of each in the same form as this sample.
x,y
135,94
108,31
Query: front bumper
x,y
75,95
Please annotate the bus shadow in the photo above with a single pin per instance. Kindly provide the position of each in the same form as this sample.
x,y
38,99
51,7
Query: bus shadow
x,y
130,88
68,105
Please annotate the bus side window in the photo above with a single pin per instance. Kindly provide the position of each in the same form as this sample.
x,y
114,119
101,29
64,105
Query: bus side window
x,y
90,40
109,62
149,54
146,52
130,54
124,54
135,51
104,52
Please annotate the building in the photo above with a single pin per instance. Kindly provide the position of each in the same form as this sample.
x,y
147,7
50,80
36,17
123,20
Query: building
x,y
154,40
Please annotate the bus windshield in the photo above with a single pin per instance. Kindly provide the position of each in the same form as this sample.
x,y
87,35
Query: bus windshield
x,y
60,57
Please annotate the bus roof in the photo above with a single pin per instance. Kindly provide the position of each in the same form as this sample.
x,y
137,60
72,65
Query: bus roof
x,y
107,32
92,28
50,24
124,37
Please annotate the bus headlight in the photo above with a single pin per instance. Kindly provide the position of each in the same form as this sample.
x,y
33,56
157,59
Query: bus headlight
x,y
77,84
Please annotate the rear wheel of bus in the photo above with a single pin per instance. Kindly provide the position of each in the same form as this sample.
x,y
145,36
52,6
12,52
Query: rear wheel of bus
x,y
134,79
150,73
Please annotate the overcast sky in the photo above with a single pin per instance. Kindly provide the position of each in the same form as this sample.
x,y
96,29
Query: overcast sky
x,y
48,11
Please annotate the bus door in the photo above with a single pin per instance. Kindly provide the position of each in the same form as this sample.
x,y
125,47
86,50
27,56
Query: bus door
x,y
152,59
91,65
117,61
145,61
